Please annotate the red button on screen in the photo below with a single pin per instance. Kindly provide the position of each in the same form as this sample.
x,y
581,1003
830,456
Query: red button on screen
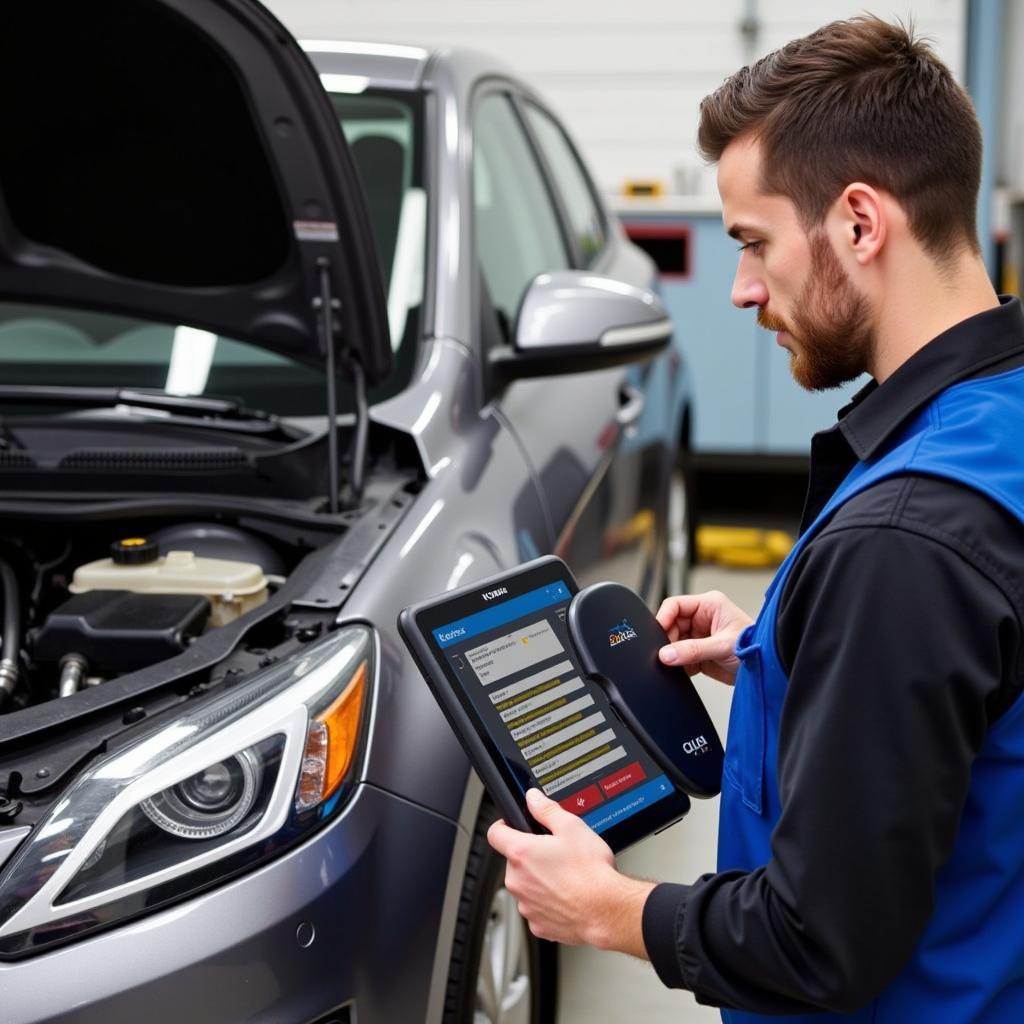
x,y
623,779
581,802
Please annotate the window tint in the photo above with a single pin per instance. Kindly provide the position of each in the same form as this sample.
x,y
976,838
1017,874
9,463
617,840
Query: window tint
x,y
572,183
517,232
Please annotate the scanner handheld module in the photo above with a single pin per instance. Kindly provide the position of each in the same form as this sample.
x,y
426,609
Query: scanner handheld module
x,y
617,641
548,687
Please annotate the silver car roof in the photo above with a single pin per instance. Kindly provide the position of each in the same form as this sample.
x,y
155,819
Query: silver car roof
x,y
402,66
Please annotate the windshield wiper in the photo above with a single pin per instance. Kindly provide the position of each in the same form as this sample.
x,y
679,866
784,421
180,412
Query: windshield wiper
x,y
54,394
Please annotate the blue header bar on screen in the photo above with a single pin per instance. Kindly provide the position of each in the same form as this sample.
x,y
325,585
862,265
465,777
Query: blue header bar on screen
x,y
461,630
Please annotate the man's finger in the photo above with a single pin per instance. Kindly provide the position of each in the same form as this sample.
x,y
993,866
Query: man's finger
x,y
666,612
694,651
680,607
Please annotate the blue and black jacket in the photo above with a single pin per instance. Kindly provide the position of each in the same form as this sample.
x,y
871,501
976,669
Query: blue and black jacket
x,y
871,860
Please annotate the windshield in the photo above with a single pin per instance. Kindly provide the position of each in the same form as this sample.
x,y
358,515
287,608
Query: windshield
x,y
59,346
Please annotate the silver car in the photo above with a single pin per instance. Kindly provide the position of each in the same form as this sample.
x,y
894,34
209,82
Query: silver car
x,y
288,340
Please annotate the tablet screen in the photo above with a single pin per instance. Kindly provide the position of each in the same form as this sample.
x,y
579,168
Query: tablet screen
x,y
553,727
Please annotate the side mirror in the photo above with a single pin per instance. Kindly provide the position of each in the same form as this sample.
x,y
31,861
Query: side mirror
x,y
572,320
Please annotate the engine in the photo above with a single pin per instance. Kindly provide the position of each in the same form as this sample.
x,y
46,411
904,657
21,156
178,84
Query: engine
x,y
148,599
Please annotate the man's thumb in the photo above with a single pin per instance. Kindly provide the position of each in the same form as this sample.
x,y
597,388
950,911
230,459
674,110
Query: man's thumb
x,y
549,813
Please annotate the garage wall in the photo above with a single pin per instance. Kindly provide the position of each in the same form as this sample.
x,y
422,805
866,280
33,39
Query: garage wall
x,y
1011,165
626,77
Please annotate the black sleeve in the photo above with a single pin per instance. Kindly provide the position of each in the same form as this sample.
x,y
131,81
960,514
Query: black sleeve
x,y
899,646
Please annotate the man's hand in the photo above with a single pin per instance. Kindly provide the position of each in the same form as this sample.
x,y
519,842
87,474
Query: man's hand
x,y
566,883
703,629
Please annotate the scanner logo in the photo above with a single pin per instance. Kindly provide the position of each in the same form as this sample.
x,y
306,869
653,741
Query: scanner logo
x,y
490,595
696,745
621,633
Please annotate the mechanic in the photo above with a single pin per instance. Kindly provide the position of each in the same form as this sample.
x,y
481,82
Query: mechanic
x,y
871,839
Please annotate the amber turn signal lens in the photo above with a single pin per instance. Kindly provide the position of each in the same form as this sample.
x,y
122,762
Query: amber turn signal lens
x,y
331,744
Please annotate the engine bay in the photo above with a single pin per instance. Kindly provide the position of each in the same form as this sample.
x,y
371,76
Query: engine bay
x,y
72,620
113,616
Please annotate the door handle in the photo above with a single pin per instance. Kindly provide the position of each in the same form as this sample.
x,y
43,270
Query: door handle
x,y
632,401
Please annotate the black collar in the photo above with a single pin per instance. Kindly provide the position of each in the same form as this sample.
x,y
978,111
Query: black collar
x,y
967,349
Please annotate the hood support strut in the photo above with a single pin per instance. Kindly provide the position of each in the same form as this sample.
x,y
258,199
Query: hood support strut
x,y
326,307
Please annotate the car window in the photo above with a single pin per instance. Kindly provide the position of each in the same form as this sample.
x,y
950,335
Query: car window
x,y
572,183
380,132
516,228
57,345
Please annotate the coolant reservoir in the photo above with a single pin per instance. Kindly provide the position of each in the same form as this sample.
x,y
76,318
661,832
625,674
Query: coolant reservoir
x,y
232,588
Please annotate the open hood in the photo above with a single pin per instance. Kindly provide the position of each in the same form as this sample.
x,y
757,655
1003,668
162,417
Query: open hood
x,y
179,161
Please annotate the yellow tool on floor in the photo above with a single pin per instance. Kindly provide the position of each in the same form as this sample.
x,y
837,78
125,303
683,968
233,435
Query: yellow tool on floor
x,y
643,187
742,547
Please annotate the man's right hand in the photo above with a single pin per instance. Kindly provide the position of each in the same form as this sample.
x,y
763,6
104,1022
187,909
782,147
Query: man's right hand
x,y
703,629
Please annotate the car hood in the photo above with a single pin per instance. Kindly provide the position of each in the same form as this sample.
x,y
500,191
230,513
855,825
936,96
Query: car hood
x,y
179,161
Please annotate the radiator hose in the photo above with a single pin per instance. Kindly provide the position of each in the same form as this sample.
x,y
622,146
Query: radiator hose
x,y
11,634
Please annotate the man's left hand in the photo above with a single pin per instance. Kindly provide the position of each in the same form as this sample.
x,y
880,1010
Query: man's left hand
x,y
566,883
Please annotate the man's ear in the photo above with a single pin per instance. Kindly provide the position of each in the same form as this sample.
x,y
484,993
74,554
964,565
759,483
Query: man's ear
x,y
863,223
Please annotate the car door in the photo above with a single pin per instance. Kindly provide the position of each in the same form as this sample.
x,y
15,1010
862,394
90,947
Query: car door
x,y
577,429
637,476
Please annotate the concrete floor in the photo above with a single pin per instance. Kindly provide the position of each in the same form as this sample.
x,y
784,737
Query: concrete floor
x,y
597,986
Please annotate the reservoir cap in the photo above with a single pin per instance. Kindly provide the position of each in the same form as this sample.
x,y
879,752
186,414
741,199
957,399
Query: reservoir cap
x,y
134,551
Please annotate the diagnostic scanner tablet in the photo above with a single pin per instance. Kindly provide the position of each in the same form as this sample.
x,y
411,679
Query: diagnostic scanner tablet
x,y
499,660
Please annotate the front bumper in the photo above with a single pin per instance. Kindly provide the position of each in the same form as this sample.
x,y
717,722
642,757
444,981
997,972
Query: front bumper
x,y
372,887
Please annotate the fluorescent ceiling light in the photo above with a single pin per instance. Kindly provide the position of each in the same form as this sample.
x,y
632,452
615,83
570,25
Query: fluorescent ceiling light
x,y
370,49
406,289
191,359
345,83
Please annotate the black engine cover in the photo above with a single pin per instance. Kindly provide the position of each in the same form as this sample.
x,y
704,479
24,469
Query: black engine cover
x,y
119,631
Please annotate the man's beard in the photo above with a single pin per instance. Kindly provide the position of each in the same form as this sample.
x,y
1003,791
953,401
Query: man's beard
x,y
831,325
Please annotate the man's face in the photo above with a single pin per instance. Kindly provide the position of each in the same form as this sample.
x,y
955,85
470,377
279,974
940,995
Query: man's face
x,y
795,279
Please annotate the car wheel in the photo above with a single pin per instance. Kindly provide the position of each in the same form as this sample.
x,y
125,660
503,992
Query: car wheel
x,y
681,530
500,973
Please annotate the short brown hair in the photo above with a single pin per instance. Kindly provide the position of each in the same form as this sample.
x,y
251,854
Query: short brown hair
x,y
858,100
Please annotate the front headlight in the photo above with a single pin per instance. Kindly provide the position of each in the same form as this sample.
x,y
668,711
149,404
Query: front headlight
x,y
211,802
226,785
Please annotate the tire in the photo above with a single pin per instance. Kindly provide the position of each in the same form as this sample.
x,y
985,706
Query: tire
x,y
681,529
500,973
